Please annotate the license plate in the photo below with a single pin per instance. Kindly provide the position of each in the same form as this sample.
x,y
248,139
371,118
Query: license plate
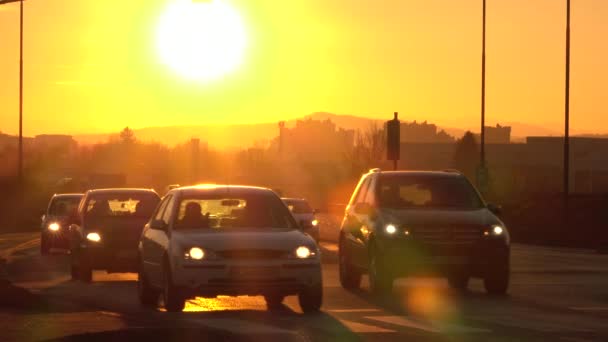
x,y
254,272
126,254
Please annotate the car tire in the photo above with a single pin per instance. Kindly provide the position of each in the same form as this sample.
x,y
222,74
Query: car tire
x,y
74,271
173,298
311,298
274,301
44,246
496,282
350,278
85,272
148,296
458,281
380,276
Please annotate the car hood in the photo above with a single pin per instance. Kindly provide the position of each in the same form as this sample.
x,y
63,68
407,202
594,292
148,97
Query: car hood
x,y
431,217
268,239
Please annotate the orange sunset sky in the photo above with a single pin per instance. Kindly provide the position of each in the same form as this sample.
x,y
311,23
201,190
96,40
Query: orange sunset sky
x,y
93,66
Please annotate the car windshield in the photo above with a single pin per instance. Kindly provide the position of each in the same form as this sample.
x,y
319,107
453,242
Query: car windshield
x,y
64,206
139,205
298,206
407,191
218,212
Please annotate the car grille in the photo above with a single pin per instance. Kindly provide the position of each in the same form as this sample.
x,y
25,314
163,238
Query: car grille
x,y
252,254
447,234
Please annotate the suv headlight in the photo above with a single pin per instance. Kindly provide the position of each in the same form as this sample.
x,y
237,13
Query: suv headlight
x,y
198,253
314,222
54,226
390,229
93,237
304,252
494,230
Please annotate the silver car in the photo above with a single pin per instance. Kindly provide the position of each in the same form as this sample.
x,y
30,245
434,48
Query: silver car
x,y
305,215
227,240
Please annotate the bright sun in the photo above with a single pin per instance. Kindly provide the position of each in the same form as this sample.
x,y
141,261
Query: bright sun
x,y
202,40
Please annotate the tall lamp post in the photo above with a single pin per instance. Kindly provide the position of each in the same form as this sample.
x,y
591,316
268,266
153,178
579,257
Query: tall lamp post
x,y
20,162
482,157
567,115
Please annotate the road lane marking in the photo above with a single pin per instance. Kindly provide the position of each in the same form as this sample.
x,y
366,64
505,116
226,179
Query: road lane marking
x,y
590,308
332,247
364,328
353,310
242,327
434,327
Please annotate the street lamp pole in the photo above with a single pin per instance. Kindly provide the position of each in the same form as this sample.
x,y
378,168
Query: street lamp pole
x,y
567,114
20,157
482,157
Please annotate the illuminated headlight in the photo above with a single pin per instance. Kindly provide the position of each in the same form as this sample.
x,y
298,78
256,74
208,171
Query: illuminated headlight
x,y
315,222
390,229
497,230
94,237
195,253
54,227
304,252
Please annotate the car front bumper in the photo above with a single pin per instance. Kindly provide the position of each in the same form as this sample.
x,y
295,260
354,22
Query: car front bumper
x,y
212,278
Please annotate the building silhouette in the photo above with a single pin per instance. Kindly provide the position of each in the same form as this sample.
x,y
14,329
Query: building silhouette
x,y
414,132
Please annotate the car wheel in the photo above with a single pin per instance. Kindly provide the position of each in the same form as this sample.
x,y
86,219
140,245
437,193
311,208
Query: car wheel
x,y
458,281
85,272
311,298
44,246
273,301
174,300
496,282
350,278
148,296
380,277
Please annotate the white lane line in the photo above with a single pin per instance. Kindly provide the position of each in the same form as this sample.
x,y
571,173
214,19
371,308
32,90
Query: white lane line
x,y
434,327
364,328
353,310
242,327
332,247
591,308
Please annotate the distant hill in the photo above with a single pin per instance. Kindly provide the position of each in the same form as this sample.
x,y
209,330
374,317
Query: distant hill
x,y
237,136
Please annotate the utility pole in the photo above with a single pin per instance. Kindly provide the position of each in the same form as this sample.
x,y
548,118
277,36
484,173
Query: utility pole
x,y
567,116
482,156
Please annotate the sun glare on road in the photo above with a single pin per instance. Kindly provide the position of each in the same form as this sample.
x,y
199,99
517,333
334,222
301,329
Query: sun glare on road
x,y
201,40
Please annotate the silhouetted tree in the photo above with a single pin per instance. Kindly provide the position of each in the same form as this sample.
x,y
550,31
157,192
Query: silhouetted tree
x,y
127,136
466,157
369,149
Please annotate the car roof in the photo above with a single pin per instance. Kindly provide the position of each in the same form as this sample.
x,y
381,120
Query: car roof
x,y
293,199
74,195
219,188
438,174
119,191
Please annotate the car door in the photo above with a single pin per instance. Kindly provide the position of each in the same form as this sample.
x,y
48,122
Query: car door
x,y
151,241
353,227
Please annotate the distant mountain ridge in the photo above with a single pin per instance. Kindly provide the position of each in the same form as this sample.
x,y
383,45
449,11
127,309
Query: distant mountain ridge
x,y
238,136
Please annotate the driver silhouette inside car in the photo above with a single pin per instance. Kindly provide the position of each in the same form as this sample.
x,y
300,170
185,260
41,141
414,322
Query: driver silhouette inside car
x,y
193,217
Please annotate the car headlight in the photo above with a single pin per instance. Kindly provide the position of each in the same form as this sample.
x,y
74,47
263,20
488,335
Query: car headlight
x,y
304,252
94,237
195,253
497,230
315,222
390,229
54,226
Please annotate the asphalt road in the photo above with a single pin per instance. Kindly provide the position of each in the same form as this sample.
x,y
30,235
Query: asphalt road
x,y
556,294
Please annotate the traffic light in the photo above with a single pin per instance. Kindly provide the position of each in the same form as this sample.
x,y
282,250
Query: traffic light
x,y
393,138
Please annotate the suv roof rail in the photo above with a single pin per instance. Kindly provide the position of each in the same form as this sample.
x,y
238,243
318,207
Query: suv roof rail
x,y
374,170
452,171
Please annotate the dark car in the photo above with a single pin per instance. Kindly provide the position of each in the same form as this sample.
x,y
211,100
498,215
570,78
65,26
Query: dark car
x,y
400,223
305,215
54,227
106,229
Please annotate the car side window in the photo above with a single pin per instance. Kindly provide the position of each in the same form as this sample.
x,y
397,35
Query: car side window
x,y
362,192
161,208
169,210
370,197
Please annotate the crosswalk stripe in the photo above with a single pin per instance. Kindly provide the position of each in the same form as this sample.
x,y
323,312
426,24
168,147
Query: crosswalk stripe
x,y
434,327
364,328
353,310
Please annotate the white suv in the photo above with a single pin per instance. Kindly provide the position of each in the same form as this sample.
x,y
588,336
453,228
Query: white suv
x,y
227,240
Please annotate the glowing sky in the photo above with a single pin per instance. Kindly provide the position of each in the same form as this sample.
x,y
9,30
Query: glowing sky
x,y
91,66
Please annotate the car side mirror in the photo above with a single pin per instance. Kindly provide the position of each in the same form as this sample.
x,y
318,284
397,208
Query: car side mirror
x,y
305,224
43,218
158,225
495,209
365,209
